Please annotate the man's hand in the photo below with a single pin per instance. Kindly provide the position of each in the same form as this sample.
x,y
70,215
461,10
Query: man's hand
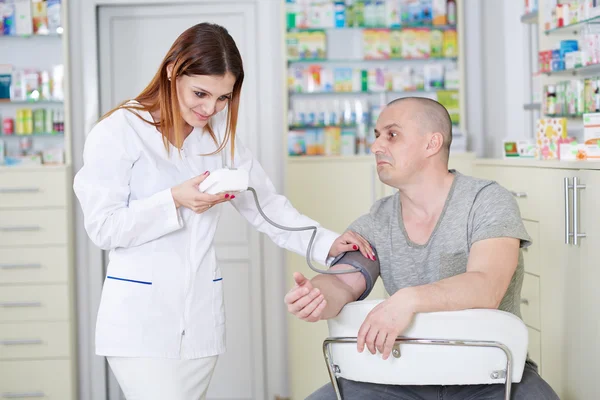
x,y
350,241
305,301
383,325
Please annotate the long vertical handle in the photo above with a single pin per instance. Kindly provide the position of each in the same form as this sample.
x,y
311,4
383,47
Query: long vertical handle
x,y
576,234
567,223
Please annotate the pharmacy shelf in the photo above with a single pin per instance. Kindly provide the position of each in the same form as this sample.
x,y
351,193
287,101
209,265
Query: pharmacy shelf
x,y
532,107
584,72
369,92
324,158
58,135
372,60
530,18
570,116
35,36
361,28
31,102
573,28
291,127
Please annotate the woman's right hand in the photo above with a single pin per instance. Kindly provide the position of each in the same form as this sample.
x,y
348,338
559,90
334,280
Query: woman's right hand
x,y
188,195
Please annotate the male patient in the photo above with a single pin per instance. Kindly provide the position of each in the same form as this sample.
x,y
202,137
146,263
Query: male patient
x,y
445,241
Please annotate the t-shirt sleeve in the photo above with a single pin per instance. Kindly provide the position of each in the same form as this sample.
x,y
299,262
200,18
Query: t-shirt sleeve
x,y
364,227
496,214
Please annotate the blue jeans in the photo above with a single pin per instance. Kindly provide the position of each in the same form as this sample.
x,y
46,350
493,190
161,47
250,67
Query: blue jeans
x,y
532,386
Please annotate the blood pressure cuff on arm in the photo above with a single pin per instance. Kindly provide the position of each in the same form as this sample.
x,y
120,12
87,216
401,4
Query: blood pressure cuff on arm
x,y
368,268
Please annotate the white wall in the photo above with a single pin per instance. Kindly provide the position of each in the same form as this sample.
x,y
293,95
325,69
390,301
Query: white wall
x,y
502,78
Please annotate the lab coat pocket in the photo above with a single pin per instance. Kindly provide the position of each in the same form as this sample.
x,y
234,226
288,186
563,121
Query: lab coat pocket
x,y
218,299
126,296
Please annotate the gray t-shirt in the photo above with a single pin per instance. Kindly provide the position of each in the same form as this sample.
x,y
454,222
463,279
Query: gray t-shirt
x,y
475,209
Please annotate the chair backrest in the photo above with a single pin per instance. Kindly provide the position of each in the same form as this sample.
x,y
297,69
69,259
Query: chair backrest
x,y
426,364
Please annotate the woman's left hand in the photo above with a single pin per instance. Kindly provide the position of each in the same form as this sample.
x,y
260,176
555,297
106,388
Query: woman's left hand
x,y
351,241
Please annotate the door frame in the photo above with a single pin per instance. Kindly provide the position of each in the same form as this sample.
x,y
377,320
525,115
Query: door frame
x,y
82,31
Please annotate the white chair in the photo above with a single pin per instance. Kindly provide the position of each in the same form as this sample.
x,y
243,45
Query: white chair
x,y
444,348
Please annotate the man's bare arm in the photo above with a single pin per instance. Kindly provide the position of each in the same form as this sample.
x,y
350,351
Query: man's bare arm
x,y
491,266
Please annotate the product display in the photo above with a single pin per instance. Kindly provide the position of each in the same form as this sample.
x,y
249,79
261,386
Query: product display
x,y
32,83
30,17
375,49
563,13
325,79
369,13
572,98
19,84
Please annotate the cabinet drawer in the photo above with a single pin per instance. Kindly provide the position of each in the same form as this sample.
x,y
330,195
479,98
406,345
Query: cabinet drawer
x,y
46,380
33,227
521,182
26,189
34,265
535,347
530,301
34,303
531,254
34,340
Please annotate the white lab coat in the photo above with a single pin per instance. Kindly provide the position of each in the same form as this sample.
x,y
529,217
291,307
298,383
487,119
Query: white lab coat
x,y
163,283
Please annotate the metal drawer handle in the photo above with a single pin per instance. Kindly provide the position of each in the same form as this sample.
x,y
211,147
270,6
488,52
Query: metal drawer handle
x,y
568,234
576,233
22,395
20,190
519,194
10,304
20,266
525,301
19,342
20,228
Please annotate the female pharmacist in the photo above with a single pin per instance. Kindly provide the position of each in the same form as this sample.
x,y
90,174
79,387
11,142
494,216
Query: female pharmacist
x,y
161,321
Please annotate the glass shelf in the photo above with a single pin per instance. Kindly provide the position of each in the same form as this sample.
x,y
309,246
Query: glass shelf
x,y
360,28
587,71
532,106
564,115
574,28
530,18
370,92
405,60
33,135
30,102
32,36
291,127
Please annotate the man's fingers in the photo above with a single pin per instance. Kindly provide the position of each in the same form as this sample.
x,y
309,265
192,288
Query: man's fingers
x,y
294,295
362,334
388,346
370,339
299,278
380,342
310,307
316,314
302,302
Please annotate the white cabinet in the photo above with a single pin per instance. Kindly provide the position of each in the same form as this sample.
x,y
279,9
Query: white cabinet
x,y
559,298
37,325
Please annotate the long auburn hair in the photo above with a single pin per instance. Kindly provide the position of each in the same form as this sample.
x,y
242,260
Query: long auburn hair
x,y
203,49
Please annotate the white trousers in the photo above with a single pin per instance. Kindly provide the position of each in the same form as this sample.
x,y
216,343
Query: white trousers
x,y
160,379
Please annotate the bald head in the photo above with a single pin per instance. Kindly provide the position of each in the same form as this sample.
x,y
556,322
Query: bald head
x,y
429,115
